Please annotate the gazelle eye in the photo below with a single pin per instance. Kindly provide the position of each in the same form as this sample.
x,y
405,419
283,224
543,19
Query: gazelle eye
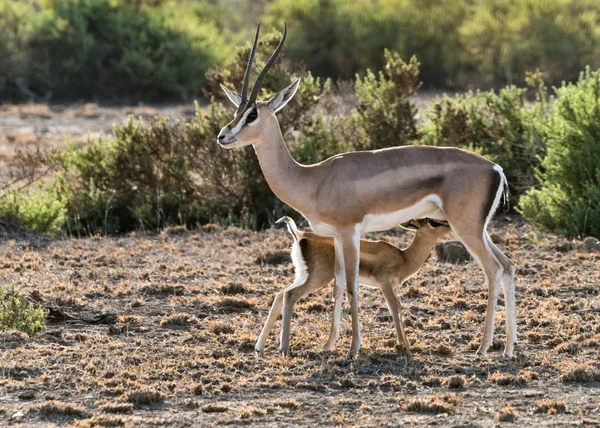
x,y
252,116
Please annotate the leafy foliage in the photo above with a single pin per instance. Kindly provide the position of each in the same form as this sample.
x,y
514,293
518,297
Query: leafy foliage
x,y
568,201
16,313
497,125
108,48
38,210
384,111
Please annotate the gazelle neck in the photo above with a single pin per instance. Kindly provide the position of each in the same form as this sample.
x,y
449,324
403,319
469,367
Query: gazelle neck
x,y
418,251
283,174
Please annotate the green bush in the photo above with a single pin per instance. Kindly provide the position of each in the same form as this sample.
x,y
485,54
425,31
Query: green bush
x,y
504,39
112,49
149,176
339,38
16,313
384,111
498,125
38,210
568,200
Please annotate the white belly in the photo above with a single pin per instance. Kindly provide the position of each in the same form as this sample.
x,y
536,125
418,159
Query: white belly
x,y
430,206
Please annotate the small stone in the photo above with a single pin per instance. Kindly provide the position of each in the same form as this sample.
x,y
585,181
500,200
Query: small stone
x,y
445,325
27,395
591,244
452,252
17,416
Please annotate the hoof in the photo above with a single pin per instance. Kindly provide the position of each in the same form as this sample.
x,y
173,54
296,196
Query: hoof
x,y
482,350
260,353
327,347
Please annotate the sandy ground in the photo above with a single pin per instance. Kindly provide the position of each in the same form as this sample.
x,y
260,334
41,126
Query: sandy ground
x,y
188,306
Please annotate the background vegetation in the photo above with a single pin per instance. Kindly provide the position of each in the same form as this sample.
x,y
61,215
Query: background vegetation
x,y
160,50
163,172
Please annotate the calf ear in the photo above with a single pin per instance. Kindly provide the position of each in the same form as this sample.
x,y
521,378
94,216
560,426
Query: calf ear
x,y
234,97
282,98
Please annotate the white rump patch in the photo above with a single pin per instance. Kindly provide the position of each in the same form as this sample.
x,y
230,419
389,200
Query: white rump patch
x,y
299,264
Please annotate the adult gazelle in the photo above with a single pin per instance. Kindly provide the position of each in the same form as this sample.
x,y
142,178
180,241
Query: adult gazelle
x,y
359,192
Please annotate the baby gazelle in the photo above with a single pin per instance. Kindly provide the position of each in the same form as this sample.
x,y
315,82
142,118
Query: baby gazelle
x,y
382,265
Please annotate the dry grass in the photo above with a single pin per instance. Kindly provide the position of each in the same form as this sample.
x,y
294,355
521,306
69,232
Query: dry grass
x,y
189,306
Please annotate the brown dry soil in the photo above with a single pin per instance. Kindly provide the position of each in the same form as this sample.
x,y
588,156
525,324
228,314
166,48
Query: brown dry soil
x,y
189,306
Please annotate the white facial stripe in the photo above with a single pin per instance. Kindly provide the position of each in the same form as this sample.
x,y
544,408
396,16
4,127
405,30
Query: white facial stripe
x,y
242,121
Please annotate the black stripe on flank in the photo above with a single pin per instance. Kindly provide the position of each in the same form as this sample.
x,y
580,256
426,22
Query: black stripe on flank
x,y
304,248
495,182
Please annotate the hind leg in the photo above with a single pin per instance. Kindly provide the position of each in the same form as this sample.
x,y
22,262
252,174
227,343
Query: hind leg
x,y
291,296
395,308
474,241
508,285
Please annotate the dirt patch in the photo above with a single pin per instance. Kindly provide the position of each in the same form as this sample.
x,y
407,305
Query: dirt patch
x,y
187,315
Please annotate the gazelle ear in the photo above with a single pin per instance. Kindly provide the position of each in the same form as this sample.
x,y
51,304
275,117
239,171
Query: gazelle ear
x,y
282,98
234,97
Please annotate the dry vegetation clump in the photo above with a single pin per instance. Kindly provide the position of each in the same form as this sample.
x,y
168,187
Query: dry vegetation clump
x,y
436,404
156,289
287,404
581,373
248,411
117,407
457,382
508,414
505,379
550,406
235,304
220,327
178,319
144,397
215,408
232,288
52,408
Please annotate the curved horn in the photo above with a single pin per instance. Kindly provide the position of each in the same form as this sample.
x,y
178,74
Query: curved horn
x,y
270,62
249,68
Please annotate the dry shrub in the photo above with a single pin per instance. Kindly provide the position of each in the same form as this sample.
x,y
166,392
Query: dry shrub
x,y
507,414
232,288
156,289
435,405
145,396
246,412
235,304
505,379
533,337
550,406
220,327
457,382
100,421
178,318
117,408
582,373
215,408
287,404
51,408
197,389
